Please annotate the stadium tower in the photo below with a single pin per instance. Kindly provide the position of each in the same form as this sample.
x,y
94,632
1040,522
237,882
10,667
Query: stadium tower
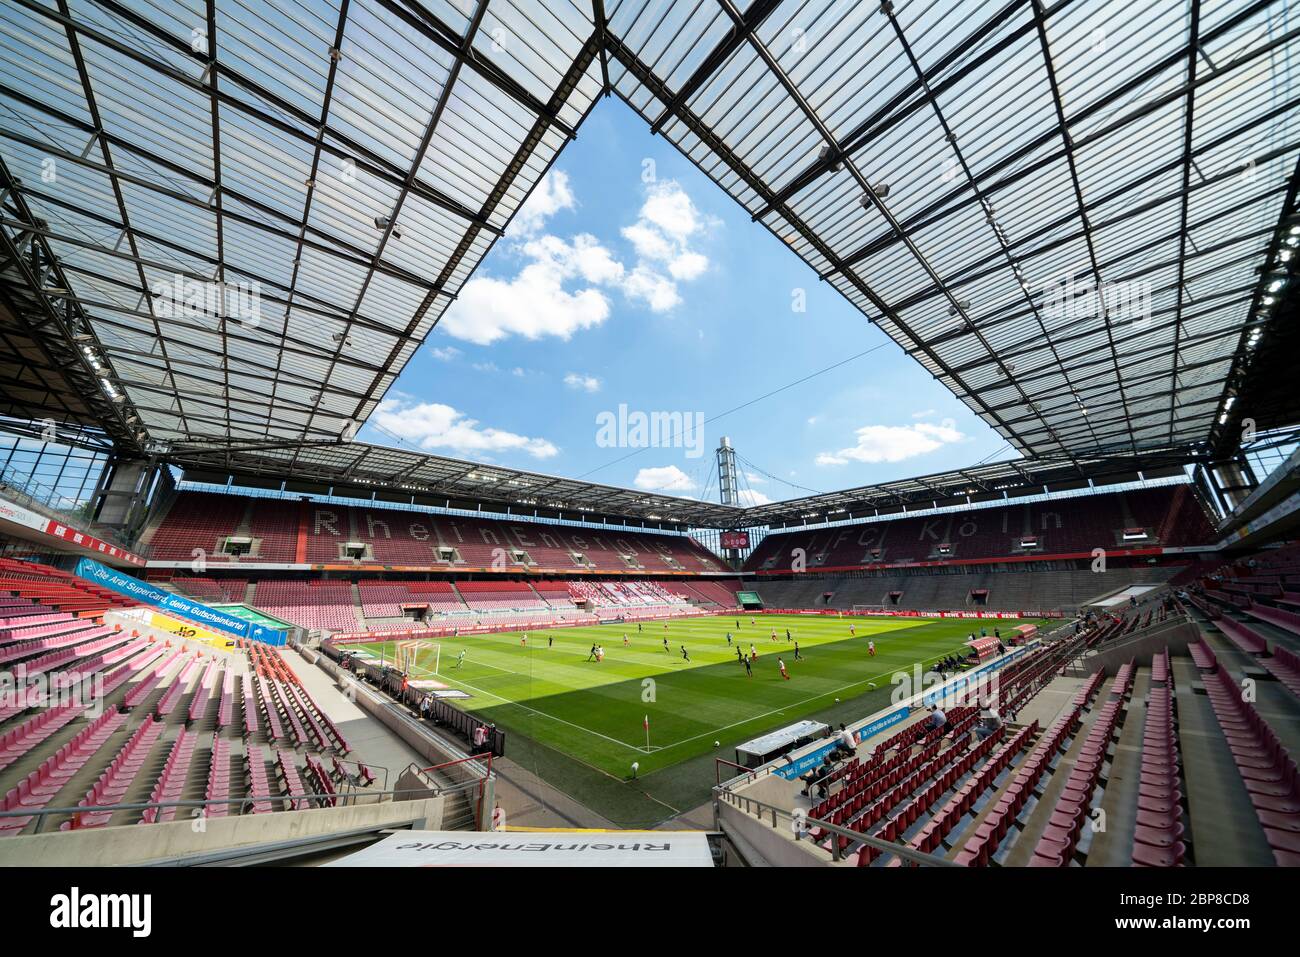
x,y
728,488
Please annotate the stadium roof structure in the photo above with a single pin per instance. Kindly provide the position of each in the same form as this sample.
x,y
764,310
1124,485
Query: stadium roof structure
x,y
1069,213
390,474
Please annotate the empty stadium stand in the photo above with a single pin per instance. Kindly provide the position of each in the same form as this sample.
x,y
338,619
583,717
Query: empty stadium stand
x,y
282,531
56,590
167,731
1146,518
314,603
1124,740
1019,588
500,595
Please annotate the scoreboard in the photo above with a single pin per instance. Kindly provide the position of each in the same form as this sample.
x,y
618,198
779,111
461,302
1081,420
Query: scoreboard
x,y
735,539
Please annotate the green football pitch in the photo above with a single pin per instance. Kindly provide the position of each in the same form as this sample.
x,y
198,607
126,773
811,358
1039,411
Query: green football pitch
x,y
580,723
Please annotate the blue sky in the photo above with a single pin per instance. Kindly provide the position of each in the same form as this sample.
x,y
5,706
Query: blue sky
x,y
630,279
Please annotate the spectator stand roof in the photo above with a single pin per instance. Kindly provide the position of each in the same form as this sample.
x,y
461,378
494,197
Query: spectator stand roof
x,y
361,470
339,168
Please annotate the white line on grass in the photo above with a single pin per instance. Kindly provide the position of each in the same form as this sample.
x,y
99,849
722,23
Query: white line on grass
x,y
705,734
542,714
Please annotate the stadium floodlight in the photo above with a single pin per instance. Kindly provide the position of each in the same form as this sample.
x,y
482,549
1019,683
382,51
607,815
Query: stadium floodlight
x,y
880,189
826,155
961,306
381,222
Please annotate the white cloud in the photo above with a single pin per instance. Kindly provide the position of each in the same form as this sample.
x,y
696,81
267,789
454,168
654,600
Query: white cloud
x,y
485,367
518,371
751,498
753,479
588,383
534,303
812,420
648,242
668,478
563,288
667,224
655,289
433,425
445,354
550,196
894,443
923,414
688,266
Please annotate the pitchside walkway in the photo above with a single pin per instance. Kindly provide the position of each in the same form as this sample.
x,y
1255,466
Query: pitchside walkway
x,y
377,746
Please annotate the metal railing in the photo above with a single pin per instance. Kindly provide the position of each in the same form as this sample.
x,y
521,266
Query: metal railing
x,y
800,826
336,799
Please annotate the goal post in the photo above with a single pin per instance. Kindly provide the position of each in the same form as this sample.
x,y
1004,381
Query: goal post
x,y
409,654
869,609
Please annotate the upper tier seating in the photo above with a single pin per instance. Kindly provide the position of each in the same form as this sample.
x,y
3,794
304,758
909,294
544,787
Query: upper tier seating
x,y
196,521
408,537
1170,515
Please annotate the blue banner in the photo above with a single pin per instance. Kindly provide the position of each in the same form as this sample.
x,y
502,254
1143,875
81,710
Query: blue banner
x,y
814,758
173,604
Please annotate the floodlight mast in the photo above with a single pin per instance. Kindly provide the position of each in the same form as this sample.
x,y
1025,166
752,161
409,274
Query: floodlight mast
x,y
728,488
727,485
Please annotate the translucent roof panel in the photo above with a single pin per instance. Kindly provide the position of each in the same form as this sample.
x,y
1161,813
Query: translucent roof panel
x,y
1017,195
264,207
1060,211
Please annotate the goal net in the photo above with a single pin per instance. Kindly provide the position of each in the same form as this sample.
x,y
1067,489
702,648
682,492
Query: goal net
x,y
869,609
418,657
